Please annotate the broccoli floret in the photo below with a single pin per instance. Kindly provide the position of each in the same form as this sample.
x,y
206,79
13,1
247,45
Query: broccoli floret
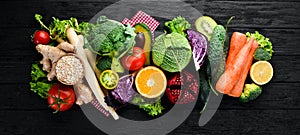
x,y
251,92
261,54
101,44
104,63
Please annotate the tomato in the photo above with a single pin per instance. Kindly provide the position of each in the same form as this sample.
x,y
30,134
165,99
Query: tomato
x,y
134,60
61,97
41,37
109,79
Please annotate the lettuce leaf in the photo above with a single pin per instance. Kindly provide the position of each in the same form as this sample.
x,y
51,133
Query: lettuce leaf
x,y
39,84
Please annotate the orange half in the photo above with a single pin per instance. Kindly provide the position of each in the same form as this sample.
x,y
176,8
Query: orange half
x,y
151,82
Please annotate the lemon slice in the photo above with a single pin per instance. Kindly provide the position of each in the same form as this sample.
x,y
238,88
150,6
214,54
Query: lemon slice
x,y
261,72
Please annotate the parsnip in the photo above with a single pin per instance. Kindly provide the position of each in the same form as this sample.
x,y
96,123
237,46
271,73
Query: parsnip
x,y
90,75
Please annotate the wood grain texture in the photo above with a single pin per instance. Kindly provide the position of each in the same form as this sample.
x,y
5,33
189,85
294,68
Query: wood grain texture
x,y
275,112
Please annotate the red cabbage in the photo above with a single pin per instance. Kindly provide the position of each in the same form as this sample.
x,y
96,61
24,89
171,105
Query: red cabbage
x,y
124,92
198,43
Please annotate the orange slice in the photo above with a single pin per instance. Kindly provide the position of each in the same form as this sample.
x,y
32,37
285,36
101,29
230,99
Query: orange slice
x,y
151,82
261,72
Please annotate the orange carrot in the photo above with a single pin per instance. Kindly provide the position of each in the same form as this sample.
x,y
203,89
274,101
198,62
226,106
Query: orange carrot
x,y
238,88
238,40
232,74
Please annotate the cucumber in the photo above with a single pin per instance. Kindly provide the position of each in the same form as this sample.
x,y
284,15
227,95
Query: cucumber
x,y
217,52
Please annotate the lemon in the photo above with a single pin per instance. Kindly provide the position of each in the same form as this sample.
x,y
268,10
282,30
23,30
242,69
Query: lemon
x,y
261,72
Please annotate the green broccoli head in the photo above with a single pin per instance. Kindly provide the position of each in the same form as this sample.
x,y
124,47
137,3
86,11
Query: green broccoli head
x,y
107,36
261,54
100,43
251,92
104,63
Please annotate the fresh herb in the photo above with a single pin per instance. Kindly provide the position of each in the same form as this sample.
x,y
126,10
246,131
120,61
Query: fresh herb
x,y
57,27
152,109
39,83
179,25
263,42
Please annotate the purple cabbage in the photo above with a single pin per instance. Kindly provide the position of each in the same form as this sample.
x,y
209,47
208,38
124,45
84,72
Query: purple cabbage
x,y
198,43
124,92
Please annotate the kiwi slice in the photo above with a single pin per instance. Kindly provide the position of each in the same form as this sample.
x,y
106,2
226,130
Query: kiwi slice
x,y
205,25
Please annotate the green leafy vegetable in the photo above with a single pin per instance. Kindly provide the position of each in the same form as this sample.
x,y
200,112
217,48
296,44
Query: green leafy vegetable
x,y
179,25
251,92
263,42
153,109
261,54
57,27
39,83
172,52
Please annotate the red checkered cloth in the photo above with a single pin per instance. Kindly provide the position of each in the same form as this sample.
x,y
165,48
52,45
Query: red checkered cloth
x,y
141,17
99,107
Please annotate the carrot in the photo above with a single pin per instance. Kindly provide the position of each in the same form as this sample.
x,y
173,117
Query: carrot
x,y
238,88
238,40
232,74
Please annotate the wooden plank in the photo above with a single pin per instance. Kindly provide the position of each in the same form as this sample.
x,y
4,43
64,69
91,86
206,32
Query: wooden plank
x,y
45,123
275,96
234,122
255,14
18,71
251,14
223,122
285,41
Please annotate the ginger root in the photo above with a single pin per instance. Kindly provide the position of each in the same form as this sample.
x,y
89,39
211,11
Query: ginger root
x,y
83,93
51,55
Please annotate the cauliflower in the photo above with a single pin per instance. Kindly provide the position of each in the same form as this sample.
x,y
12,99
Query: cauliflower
x,y
250,92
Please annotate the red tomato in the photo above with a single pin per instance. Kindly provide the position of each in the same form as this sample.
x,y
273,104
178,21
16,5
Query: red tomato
x,y
61,97
134,60
41,37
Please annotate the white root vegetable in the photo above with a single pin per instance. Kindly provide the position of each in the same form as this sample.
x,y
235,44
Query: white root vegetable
x,y
72,36
90,75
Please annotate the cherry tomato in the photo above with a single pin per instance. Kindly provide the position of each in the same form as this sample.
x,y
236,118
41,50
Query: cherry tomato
x,y
134,60
41,37
61,97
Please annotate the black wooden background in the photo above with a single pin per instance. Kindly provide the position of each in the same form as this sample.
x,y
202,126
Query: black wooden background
x,y
277,111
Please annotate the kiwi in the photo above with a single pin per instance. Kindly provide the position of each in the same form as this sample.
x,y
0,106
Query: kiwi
x,y
205,25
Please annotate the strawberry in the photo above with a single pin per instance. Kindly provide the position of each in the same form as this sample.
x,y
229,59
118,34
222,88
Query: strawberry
x,y
182,88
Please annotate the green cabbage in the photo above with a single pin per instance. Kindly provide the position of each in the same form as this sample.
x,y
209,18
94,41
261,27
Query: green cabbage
x,y
172,52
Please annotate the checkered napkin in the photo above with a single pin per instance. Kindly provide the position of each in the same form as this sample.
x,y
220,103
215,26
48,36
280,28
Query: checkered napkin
x,y
139,17
99,107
